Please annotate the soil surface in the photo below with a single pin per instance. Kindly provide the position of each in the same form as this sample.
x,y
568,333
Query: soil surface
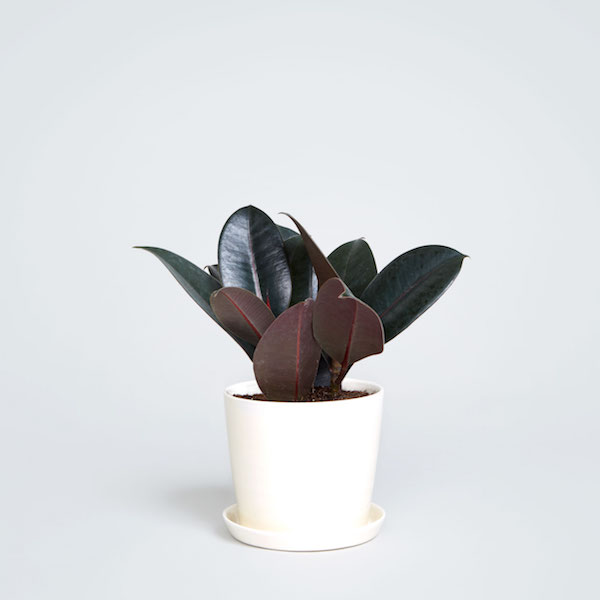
x,y
319,394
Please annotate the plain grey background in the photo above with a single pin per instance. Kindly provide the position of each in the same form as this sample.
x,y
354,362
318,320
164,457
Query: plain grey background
x,y
470,124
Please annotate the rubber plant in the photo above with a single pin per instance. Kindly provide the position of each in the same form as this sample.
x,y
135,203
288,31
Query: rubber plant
x,y
302,317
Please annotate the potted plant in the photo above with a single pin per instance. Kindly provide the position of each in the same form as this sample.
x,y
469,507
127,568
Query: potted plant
x,y
304,438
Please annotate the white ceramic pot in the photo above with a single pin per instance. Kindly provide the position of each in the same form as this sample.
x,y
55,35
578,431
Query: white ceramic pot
x,y
304,471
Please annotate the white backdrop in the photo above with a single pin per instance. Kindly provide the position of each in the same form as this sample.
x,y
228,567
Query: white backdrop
x,y
469,124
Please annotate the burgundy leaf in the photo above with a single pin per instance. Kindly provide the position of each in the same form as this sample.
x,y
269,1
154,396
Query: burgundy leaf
x,y
322,266
287,356
346,328
241,312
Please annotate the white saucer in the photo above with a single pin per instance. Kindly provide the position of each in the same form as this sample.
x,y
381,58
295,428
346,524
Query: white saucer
x,y
301,541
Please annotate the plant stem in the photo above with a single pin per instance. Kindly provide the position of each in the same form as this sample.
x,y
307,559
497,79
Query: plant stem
x,y
336,369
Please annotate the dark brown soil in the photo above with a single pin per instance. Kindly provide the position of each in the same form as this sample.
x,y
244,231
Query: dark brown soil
x,y
319,394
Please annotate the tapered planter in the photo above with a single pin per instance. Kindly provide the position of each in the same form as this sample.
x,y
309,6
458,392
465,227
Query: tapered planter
x,y
303,472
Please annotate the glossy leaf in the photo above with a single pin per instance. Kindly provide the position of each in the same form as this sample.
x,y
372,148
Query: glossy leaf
x,y
251,256
242,313
214,271
355,264
304,279
287,356
196,282
410,284
346,328
320,263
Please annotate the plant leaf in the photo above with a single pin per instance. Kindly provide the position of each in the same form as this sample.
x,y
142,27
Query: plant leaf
x,y
346,328
251,256
214,271
287,356
304,279
410,284
242,313
320,263
196,282
355,265
286,233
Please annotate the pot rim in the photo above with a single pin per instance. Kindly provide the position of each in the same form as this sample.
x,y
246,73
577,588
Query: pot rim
x,y
373,389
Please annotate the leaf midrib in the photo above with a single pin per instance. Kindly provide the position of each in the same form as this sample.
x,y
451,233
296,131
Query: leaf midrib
x,y
412,287
243,315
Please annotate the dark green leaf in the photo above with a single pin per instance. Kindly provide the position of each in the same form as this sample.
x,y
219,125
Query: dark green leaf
x,y
251,256
286,232
196,282
346,328
355,264
242,313
287,356
320,263
214,271
304,280
410,284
